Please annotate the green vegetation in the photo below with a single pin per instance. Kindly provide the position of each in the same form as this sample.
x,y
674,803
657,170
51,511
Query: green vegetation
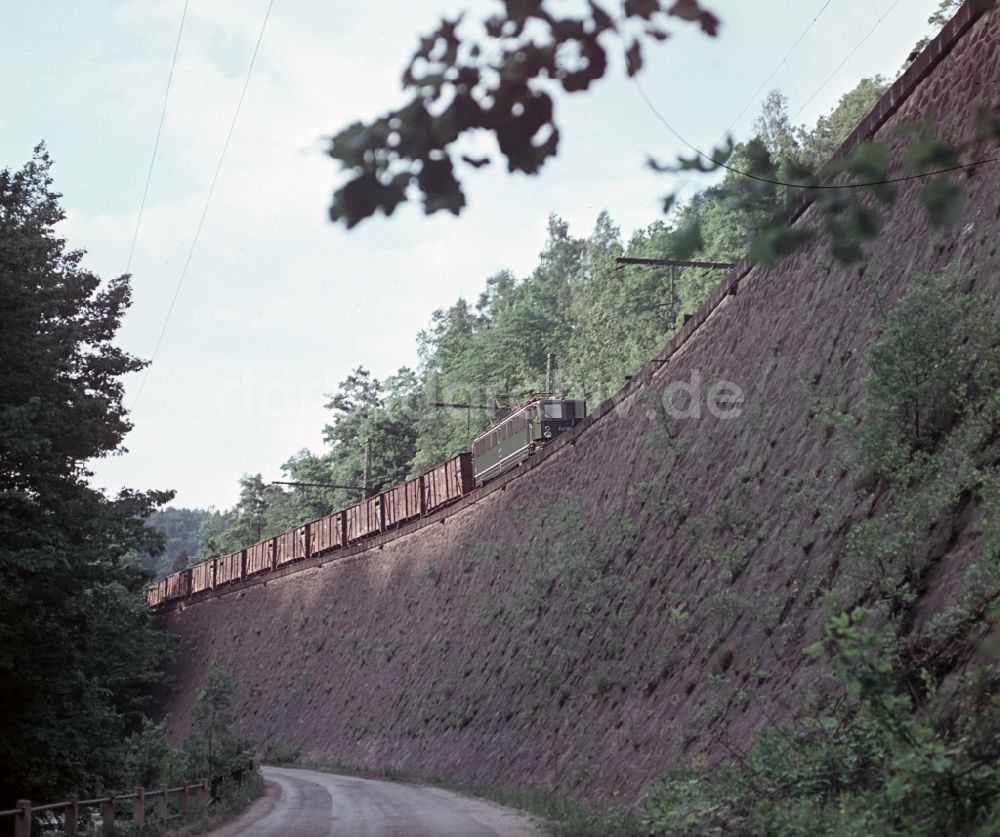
x,y
906,748
497,75
179,528
928,432
77,651
496,79
601,320
213,749
868,765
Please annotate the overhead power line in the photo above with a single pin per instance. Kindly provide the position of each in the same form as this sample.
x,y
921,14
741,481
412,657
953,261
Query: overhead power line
x,y
836,69
318,485
156,142
460,406
676,263
774,72
208,201
812,186
764,83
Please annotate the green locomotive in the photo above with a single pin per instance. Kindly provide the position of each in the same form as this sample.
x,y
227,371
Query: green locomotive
x,y
513,439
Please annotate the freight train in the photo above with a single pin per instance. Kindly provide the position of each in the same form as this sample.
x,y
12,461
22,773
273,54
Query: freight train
x,y
504,446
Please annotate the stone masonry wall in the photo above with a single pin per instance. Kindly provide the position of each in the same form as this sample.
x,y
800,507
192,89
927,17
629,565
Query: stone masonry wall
x,y
575,627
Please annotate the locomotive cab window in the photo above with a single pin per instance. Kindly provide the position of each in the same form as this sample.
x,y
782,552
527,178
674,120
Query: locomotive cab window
x,y
554,410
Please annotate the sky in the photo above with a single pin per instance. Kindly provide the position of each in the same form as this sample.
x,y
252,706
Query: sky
x,y
277,305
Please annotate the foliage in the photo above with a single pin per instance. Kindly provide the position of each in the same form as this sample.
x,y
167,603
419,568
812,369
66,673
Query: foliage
x,y
868,765
944,12
928,428
281,754
935,346
601,320
383,413
150,763
848,193
179,528
214,748
495,79
77,652
886,756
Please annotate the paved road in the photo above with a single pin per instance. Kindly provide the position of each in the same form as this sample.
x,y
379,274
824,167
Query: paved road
x,y
308,803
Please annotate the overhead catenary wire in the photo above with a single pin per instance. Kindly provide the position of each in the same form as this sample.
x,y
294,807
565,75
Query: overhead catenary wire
x,y
763,84
156,142
846,58
812,186
204,211
774,72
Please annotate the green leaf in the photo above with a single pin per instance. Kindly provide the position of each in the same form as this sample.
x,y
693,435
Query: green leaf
x,y
686,242
776,242
846,250
870,161
863,221
943,201
930,154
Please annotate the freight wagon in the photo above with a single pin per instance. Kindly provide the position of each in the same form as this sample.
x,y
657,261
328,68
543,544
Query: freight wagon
x,y
502,447
449,481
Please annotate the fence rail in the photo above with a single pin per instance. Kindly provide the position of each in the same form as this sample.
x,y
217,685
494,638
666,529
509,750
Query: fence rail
x,y
206,791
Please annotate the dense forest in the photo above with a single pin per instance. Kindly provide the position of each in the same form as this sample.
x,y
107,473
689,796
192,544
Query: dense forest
x,y
601,320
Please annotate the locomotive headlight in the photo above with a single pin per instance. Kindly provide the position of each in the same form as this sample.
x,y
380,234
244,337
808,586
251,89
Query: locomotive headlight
x,y
547,432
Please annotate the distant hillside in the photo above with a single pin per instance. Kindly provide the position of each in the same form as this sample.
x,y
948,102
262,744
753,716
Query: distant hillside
x,y
180,526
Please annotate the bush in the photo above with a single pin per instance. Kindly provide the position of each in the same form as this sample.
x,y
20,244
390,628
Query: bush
x,y
872,766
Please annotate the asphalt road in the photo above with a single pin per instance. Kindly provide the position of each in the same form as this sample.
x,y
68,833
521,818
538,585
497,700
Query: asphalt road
x,y
308,803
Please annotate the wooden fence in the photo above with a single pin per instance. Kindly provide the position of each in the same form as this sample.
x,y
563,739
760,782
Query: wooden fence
x,y
205,791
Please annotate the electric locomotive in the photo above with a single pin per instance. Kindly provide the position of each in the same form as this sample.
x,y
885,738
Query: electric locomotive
x,y
514,438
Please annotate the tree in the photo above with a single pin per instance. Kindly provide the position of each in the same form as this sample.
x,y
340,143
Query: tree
x,y
381,414
214,747
496,80
817,145
180,529
253,505
77,652
493,78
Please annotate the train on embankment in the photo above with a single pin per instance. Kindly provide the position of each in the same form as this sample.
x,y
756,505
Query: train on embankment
x,y
504,446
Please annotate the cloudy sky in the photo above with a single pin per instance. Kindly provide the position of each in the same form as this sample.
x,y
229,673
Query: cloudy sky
x,y
277,305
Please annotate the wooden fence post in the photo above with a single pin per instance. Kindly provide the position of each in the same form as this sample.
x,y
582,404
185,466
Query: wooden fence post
x,y
72,816
108,815
22,821
182,803
203,794
163,803
139,807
